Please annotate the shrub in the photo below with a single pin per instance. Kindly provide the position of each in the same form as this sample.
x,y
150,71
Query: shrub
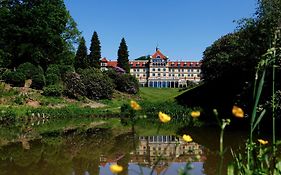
x,y
124,82
64,69
14,78
98,85
74,87
53,90
38,81
28,69
52,79
53,69
7,117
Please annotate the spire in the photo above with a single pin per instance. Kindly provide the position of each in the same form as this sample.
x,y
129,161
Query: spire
x,y
157,47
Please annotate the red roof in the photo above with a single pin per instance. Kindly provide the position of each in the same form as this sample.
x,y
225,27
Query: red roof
x,y
182,64
140,64
158,54
112,64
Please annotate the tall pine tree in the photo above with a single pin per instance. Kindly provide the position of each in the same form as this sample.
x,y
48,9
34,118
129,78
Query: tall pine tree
x,y
123,56
81,56
95,51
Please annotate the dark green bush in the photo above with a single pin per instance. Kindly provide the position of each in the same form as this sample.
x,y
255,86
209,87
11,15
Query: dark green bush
x,y
53,69
74,87
14,78
38,81
28,69
124,82
53,90
52,79
64,69
98,85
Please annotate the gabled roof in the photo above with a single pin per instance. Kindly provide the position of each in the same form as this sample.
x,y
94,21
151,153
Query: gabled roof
x,y
158,54
112,64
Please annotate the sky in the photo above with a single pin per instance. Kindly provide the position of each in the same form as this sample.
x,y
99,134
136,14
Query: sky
x,y
181,29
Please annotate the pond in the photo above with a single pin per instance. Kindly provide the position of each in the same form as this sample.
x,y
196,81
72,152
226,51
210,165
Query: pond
x,y
93,151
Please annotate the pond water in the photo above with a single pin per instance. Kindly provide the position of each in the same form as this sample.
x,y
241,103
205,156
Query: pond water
x,y
93,151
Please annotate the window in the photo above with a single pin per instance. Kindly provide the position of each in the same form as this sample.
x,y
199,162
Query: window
x,y
164,74
153,69
158,69
153,74
159,74
164,69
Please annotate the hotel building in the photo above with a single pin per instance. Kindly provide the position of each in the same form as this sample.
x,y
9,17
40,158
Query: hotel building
x,y
159,71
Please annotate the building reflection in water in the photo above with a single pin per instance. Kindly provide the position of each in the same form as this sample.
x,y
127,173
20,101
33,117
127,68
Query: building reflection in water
x,y
161,153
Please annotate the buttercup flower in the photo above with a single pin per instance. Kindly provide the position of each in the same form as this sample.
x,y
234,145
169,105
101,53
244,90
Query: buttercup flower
x,y
164,117
135,105
237,112
195,114
187,138
263,142
114,168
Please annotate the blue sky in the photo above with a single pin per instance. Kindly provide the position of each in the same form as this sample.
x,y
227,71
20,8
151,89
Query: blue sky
x,y
182,29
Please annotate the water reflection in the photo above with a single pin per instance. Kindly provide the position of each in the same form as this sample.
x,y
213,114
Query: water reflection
x,y
92,152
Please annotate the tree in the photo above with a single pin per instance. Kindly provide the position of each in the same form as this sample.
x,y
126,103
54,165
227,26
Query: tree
x,y
80,60
123,56
95,51
40,32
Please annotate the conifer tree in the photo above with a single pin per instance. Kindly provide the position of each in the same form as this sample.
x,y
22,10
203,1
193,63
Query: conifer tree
x,y
123,56
81,55
95,51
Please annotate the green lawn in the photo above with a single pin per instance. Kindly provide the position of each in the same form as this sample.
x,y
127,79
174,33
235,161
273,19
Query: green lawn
x,y
158,94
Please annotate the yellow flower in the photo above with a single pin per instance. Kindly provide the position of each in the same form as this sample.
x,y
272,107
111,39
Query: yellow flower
x,y
263,142
135,105
114,168
195,114
237,112
164,117
187,138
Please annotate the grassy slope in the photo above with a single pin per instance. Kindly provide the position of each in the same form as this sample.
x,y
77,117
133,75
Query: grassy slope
x,y
158,94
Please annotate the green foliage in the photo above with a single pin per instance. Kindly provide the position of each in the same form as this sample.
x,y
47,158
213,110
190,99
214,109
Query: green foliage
x,y
124,82
123,56
28,69
81,60
53,69
98,85
38,81
95,51
14,78
52,79
64,69
7,117
32,33
54,90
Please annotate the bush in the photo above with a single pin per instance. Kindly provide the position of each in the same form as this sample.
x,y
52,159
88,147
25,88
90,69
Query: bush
x,y
98,85
28,69
74,87
38,81
53,69
7,117
124,82
53,90
64,69
52,79
14,78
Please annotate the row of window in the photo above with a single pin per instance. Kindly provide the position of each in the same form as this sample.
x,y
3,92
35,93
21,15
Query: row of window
x,y
170,75
171,70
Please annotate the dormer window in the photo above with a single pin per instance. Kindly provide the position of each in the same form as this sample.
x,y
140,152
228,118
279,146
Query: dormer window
x,y
158,56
